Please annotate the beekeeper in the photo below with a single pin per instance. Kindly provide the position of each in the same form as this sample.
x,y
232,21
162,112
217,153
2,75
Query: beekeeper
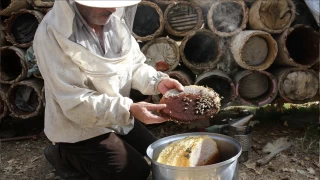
x,y
89,62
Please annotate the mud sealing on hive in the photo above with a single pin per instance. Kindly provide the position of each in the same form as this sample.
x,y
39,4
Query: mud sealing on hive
x,y
193,104
297,85
162,53
255,87
273,16
254,50
252,55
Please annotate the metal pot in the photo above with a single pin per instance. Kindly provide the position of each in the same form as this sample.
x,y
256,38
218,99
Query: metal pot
x,y
230,150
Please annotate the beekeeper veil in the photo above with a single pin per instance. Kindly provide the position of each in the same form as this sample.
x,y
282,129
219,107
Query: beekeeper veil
x,y
117,30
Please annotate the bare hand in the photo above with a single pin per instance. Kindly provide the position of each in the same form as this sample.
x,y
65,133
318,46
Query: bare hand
x,y
169,83
143,112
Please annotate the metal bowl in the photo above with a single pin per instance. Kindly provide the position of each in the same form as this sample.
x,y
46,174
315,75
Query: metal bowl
x,y
229,148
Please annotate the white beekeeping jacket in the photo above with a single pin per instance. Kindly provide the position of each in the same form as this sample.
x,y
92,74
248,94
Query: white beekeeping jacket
x,y
87,93
314,7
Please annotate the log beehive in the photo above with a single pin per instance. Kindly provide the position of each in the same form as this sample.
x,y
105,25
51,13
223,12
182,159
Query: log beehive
x,y
298,46
162,53
148,23
254,50
13,67
21,27
25,98
273,16
297,85
227,17
200,51
255,88
180,18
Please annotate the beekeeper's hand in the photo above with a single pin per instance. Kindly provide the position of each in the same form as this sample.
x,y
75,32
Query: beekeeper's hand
x,y
169,83
143,112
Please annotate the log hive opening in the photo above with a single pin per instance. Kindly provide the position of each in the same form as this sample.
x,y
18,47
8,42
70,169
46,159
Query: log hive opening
x,y
22,26
200,51
220,83
254,50
148,22
228,17
25,98
298,46
13,66
273,16
162,54
297,85
255,87
180,18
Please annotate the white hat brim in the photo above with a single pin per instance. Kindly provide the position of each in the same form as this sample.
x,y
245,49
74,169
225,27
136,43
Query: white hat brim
x,y
107,3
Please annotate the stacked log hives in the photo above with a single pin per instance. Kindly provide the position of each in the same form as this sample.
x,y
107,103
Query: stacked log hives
x,y
21,86
251,51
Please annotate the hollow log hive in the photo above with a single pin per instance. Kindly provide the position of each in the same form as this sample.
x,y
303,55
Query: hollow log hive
x,y
162,53
21,27
148,23
182,17
25,98
227,17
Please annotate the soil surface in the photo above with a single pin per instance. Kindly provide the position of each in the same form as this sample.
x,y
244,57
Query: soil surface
x,y
24,160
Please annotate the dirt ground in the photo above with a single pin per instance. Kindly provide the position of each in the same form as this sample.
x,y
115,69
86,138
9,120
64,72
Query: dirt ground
x,y
24,160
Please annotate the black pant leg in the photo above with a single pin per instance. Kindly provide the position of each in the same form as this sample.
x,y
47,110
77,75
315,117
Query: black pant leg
x,y
139,137
106,157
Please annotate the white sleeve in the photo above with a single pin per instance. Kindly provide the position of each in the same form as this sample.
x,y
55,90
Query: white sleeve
x,y
145,77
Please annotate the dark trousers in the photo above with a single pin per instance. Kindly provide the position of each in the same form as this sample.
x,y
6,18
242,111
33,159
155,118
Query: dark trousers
x,y
109,156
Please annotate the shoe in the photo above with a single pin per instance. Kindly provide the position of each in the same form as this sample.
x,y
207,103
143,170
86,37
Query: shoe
x,y
53,156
